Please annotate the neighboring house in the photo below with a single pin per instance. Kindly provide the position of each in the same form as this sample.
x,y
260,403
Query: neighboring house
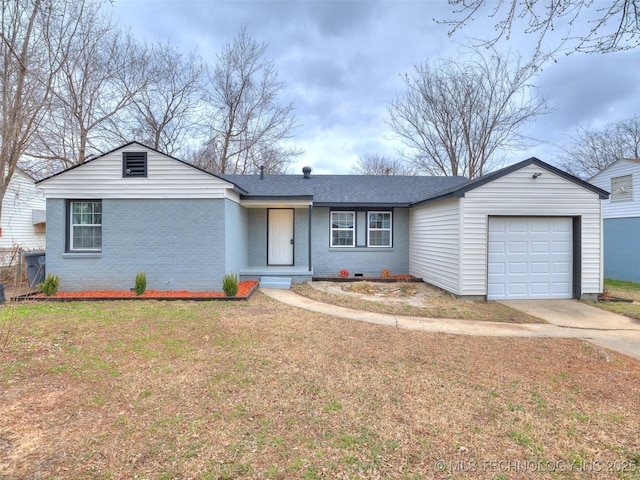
x,y
23,218
527,231
621,219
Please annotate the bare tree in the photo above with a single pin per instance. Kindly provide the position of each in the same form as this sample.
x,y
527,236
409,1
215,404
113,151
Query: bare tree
x,y
166,114
601,26
247,118
377,164
103,71
32,50
456,117
592,150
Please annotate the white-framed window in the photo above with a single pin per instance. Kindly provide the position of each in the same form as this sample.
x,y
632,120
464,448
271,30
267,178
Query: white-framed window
x,y
622,188
362,229
343,229
85,226
379,229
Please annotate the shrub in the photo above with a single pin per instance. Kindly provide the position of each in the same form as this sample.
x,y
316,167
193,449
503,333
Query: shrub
x,y
343,273
50,285
141,283
230,284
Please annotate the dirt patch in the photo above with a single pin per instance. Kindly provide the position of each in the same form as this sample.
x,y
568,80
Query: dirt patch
x,y
415,294
413,299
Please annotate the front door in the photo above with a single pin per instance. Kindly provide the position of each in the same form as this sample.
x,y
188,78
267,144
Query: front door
x,y
280,242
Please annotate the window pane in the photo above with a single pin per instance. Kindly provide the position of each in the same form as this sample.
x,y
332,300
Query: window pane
x,y
86,225
379,220
380,238
342,220
342,238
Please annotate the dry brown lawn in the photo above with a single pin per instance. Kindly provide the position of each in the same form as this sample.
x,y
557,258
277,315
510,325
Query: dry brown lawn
x,y
626,290
257,389
395,299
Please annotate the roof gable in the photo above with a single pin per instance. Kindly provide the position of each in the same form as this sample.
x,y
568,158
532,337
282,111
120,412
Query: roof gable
x,y
167,177
620,164
490,177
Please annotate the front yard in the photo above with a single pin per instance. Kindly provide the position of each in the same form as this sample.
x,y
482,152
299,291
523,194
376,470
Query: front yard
x,y
626,290
258,389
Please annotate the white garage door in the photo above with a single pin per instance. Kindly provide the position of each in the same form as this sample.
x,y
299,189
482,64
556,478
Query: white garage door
x,y
530,258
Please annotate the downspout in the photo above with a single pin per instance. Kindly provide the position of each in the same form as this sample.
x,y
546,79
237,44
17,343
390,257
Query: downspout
x,y
309,219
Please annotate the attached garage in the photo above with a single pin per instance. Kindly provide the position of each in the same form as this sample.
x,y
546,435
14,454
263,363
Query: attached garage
x,y
530,257
528,231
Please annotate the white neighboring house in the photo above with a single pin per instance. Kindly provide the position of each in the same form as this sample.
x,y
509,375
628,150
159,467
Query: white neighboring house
x,y
23,222
621,219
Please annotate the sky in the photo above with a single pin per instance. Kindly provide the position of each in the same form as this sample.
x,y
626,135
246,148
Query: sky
x,y
343,61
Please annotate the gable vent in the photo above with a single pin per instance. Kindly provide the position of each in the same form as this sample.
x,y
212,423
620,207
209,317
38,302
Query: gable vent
x,y
134,164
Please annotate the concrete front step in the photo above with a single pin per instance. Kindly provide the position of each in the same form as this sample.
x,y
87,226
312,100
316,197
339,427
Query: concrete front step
x,y
282,283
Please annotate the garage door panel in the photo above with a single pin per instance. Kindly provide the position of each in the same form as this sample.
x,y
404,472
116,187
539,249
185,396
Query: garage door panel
x,y
515,227
517,268
561,267
517,247
530,258
539,268
496,268
539,289
496,247
541,227
561,247
515,288
539,247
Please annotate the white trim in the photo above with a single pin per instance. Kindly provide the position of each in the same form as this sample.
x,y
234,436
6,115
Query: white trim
x,y
369,229
275,203
352,229
71,226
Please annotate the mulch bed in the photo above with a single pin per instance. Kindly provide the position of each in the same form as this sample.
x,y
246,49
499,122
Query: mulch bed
x,y
245,290
389,279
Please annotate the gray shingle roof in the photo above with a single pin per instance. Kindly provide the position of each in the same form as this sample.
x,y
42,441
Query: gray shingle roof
x,y
352,190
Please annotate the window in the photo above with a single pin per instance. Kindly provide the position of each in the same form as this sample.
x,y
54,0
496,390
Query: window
x,y
621,188
85,226
134,164
362,229
379,229
342,229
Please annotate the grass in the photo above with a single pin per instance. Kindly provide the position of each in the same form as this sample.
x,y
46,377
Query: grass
x,y
438,305
257,389
622,289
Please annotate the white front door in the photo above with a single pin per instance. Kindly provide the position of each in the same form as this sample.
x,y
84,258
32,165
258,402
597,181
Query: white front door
x,y
530,258
280,243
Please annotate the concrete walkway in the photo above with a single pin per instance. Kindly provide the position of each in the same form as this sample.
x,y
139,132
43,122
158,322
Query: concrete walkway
x,y
567,319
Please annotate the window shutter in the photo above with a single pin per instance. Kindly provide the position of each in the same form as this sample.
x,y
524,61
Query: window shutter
x,y
134,164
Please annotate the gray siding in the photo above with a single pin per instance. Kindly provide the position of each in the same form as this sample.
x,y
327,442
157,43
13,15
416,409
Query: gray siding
x,y
621,254
368,261
178,243
236,235
257,236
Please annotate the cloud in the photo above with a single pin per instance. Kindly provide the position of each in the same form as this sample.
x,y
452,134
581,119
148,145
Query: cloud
x,y
342,63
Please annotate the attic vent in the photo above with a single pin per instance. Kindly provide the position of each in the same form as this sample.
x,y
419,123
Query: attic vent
x,y
621,188
134,164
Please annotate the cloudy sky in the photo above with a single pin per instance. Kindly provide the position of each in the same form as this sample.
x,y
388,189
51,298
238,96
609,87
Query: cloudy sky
x,y
342,63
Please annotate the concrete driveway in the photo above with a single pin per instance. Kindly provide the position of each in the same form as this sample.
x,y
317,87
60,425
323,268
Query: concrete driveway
x,y
567,319
603,328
